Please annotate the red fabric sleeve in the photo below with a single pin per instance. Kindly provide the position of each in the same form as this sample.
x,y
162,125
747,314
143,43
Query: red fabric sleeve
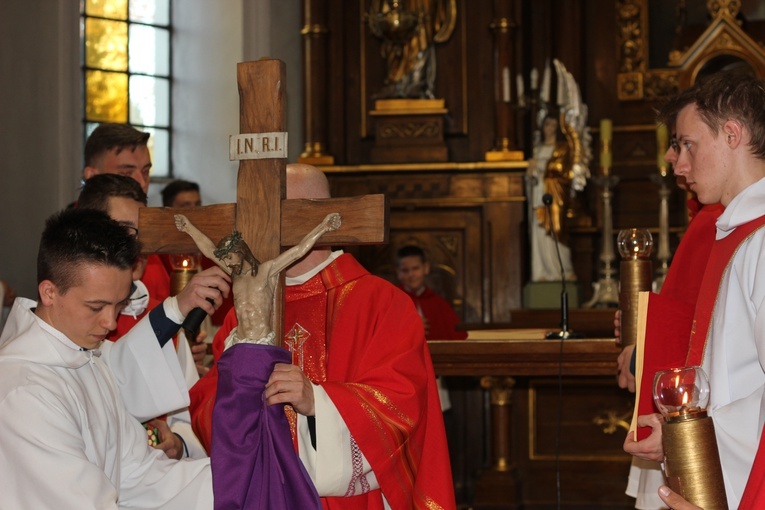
x,y
202,394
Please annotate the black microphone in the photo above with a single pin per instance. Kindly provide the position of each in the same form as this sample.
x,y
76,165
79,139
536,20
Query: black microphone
x,y
193,321
564,331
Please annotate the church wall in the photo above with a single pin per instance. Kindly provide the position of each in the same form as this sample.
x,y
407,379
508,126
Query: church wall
x,y
207,44
40,150
209,39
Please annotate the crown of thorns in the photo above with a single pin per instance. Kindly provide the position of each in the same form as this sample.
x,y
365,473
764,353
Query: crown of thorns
x,y
227,244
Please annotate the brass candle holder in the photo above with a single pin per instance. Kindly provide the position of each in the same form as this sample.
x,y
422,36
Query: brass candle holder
x,y
634,277
184,267
691,458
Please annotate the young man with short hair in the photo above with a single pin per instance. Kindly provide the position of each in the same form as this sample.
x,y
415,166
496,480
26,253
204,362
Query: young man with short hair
x,y
118,149
68,440
721,154
180,193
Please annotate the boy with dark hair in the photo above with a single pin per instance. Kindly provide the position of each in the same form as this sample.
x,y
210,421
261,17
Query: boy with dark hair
x,y
438,317
180,193
68,439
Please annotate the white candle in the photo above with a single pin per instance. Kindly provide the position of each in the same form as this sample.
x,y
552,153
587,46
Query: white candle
x,y
506,85
534,78
544,93
560,82
520,91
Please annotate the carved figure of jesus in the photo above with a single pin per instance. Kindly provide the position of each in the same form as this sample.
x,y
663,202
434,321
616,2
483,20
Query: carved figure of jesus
x,y
254,282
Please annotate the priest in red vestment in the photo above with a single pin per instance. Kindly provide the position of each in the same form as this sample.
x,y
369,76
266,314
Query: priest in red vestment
x,y
376,438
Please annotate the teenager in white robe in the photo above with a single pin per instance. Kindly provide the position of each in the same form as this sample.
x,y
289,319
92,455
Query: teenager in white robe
x,y
722,160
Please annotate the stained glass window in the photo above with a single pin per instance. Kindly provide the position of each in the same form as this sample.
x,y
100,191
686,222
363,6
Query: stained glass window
x,y
127,71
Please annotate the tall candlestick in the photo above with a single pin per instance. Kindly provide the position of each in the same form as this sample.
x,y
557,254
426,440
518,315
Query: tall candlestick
x,y
605,140
506,85
661,148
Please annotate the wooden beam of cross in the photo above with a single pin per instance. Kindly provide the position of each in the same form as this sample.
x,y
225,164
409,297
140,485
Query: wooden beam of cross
x,y
268,222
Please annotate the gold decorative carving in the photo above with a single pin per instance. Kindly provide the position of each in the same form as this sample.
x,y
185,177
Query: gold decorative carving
x,y
611,421
723,36
660,84
718,8
409,130
630,21
500,389
725,42
629,86
451,244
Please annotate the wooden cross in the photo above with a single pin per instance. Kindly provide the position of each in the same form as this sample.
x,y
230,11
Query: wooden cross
x,y
268,222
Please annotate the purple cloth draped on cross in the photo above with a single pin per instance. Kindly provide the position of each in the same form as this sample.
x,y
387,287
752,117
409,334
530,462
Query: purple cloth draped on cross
x,y
254,463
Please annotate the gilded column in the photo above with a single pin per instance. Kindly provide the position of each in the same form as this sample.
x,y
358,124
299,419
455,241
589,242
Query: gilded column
x,y
500,391
505,85
315,45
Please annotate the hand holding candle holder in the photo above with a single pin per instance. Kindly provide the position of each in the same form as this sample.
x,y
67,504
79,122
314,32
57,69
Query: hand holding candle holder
x,y
691,458
634,277
185,266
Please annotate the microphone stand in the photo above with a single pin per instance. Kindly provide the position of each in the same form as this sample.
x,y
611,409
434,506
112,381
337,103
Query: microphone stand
x,y
564,332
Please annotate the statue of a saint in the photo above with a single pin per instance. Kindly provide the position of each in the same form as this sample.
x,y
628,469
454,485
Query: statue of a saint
x,y
409,29
254,282
549,173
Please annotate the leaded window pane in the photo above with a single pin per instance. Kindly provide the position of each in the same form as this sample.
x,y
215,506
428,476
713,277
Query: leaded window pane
x,y
155,12
106,44
106,96
115,9
149,101
149,50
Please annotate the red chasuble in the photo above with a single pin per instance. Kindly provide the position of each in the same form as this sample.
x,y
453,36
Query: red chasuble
x,y
362,340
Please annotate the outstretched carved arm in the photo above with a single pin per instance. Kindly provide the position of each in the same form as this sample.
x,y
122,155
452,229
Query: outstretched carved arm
x,y
203,242
331,222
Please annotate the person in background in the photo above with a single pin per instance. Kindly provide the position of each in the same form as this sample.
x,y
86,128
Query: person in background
x,y
180,193
123,150
438,317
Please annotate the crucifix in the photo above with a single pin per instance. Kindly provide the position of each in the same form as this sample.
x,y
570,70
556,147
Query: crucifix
x,y
267,221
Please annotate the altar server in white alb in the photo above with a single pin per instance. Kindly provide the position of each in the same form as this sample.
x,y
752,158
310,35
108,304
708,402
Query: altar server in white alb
x,y
67,441
721,155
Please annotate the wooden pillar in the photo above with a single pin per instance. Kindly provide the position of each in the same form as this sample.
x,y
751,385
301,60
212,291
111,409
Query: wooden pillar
x,y
315,49
498,486
504,29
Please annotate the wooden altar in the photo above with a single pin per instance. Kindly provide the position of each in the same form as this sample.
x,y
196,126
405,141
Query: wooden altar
x,y
522,406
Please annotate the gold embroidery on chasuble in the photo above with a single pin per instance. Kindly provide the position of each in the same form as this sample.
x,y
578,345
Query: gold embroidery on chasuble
x,y
392,427
305,321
